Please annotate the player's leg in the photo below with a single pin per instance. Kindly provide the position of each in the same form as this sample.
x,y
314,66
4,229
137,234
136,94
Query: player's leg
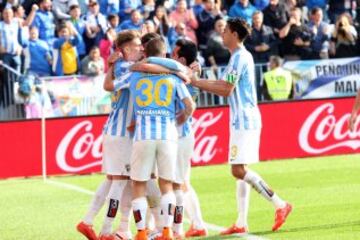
x,y
123,232
166,159
142,162
117,157
153,195
85,226
193,211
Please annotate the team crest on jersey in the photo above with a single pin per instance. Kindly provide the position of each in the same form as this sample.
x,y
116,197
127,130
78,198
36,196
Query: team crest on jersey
x,y
233,152
231,77
127,167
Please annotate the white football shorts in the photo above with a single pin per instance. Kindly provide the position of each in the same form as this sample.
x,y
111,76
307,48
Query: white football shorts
x,y
116,155
148,153
244,146
183,160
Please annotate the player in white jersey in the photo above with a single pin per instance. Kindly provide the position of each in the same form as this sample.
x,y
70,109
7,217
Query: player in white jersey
x,y
238,84
155,141
117,144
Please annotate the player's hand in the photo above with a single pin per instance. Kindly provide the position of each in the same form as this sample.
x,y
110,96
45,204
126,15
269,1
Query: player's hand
x,y
183,77
196,67
114,57
131,127
34,7
181,117
352,121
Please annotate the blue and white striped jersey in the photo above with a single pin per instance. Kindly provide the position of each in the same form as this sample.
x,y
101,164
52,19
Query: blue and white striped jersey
x,y
121,106
9,33
186,128
244,112
154,99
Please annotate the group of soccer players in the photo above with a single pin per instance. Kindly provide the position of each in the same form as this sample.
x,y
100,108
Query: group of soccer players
x,y
148,140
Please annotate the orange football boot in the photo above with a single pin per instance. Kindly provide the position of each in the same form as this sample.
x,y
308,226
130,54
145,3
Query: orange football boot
x,y
281,215
87,231
234,229
192,232
141,235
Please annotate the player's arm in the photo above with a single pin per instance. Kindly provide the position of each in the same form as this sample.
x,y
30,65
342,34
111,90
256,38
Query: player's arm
x,y
112,84
189,105
354,112
149,68
222,88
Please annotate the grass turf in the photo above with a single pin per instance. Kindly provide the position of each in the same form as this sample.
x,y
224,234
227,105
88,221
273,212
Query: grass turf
x,y
325,193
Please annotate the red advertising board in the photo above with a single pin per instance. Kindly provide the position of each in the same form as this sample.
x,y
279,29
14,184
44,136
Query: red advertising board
x,y
290,130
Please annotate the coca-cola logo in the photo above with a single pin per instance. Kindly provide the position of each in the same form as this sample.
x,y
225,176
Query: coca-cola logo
x,y
205,150
322,131
77,149
80,143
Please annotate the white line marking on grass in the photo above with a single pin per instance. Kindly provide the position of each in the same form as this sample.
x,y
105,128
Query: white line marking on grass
x,y
209,226
70,186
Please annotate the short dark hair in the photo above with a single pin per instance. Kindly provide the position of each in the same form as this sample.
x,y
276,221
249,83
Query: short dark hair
x,y
111,16
315,10
187,50
149,36
74,6
155,47
240,26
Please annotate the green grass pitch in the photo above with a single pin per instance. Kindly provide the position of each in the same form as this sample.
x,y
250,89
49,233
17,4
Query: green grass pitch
x,y
325,193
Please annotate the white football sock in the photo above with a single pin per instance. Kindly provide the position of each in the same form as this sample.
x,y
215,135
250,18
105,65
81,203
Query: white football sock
x,y
98,201
139,206
113,203
125,208
167,204
192,208
242,197
261,187
153,196
179,212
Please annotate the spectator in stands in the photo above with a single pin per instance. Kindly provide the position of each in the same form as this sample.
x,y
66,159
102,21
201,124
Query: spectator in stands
x,y
109,7
148,27
338,7
113,21
126,7
186,16
66,59
321,34
161,20
96,25
290,4
37,53
147,8
275,15
261,4
296,37
134,23
19,14
206,19
61,9
243,9
216,53
278,84
262,42
80,26
197,7
45,22
311,4
179,32
93,64
10,45
344,37
107,45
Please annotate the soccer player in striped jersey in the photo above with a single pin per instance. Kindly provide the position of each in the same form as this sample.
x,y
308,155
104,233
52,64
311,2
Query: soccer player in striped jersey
x,y
155,137
238,84
117,145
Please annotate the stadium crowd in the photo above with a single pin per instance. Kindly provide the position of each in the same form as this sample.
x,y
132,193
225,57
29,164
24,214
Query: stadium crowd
x,y
65,37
